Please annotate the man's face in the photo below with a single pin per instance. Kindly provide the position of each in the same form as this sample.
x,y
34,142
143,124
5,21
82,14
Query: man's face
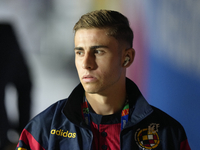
x,y
99,61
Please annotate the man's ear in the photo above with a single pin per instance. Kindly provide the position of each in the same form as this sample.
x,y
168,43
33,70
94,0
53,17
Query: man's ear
x,y
129,57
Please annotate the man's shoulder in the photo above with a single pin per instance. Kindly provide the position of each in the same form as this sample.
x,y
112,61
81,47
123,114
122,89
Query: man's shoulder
x,y
45,118
39,128
52,109
166,119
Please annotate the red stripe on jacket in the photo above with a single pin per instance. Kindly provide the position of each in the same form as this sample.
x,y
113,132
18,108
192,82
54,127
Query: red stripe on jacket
x,y
29,140
185,145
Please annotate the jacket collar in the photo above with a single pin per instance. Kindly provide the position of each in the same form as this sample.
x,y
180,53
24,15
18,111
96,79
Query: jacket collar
x,y
139,107
72,108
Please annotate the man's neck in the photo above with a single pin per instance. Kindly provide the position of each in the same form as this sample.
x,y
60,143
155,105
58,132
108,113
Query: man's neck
x,y
109,104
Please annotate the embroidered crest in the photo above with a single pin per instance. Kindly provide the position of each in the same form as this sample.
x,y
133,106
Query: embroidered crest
x,y
147,138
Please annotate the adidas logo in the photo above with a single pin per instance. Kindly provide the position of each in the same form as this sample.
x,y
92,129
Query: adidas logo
x,y
63,133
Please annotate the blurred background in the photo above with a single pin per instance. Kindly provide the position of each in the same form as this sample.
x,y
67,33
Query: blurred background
x,y
166,67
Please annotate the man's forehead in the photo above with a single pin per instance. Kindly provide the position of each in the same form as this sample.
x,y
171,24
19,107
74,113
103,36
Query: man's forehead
x,y
90,32
94,36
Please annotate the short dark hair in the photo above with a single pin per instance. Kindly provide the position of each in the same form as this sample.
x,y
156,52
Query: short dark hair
x,y
116,23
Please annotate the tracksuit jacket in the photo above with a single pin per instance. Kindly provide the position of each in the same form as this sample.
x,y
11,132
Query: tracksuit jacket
x,y
62,127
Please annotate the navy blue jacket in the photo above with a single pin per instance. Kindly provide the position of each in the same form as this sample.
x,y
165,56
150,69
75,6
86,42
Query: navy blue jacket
x,y
61,127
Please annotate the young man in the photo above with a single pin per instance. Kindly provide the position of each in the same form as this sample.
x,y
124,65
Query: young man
x,y
106,110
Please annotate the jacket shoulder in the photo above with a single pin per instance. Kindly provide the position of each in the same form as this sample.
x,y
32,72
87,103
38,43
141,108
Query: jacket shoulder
x,y
44,118
169,124
36,133
164,117
40,125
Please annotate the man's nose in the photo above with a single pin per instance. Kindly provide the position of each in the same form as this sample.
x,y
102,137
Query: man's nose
x,y
89,61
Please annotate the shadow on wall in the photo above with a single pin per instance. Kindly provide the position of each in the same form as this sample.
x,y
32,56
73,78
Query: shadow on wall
x,y
13,70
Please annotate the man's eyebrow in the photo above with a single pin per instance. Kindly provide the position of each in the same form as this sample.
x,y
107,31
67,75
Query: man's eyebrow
x,y
92,47
98,46
78,48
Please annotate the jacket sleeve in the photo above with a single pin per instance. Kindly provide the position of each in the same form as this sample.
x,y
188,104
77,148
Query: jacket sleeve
x,y
185,145
36,133
28,142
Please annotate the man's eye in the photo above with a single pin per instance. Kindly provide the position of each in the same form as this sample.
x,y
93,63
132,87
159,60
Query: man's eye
x,y
98,52
79,53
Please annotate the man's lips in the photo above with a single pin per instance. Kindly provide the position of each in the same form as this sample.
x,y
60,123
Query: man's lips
x,y
88,78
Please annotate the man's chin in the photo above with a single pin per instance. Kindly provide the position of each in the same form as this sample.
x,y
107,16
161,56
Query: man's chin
x,y
90,90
